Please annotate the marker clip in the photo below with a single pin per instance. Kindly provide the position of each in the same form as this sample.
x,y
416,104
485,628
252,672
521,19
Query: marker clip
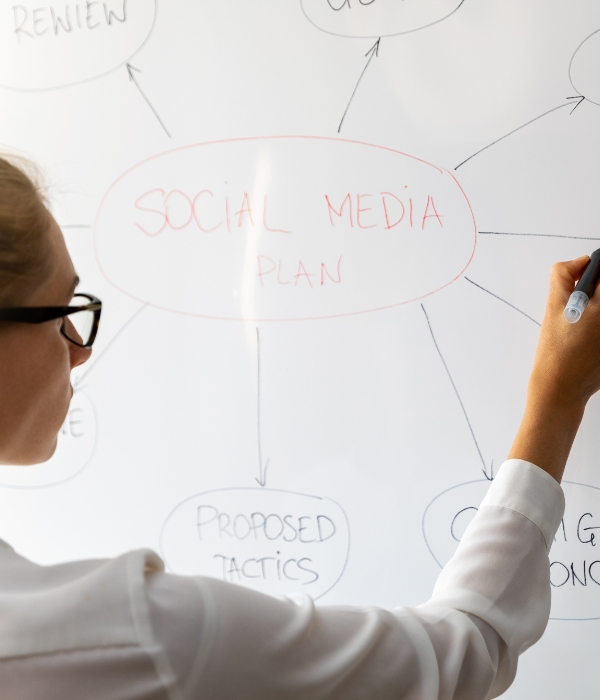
x,y
575,306
584,289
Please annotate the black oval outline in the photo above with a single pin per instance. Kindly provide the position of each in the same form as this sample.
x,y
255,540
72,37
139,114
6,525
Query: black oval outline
x,y
456,516
378,36
95,77
75,474
260,490
465,483
587,100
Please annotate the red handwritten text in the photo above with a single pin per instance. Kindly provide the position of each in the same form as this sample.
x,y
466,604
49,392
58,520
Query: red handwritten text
x,y
300,275
204,210
385,211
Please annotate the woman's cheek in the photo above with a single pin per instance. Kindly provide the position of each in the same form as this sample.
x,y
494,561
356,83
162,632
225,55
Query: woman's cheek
x,y
57,369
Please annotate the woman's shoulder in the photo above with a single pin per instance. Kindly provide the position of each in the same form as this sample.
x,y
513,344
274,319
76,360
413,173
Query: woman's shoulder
x,y
89,623
73,605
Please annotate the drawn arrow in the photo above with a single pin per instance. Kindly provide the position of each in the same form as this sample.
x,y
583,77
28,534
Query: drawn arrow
x,y
490,476
512,306
262,471
578,98
373,51
464,410
538,235
262,478
133,79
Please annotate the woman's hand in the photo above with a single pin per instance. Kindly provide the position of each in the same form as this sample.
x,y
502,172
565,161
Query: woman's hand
x,y
566,373
567,361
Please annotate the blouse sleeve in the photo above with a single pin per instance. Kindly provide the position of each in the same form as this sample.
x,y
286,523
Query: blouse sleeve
x,y
490,603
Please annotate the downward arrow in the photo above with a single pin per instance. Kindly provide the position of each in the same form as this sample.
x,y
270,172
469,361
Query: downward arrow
x,y
133,79
439,352
262,478
262,472
490,476
373,51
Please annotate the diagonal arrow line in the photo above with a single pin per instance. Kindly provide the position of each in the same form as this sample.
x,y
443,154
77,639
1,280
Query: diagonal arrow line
x,y
373,51
133,79
579,99
538,235
464,410
77,383
512,306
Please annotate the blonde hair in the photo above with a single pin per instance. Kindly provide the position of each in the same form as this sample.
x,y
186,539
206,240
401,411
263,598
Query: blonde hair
x,y
25,252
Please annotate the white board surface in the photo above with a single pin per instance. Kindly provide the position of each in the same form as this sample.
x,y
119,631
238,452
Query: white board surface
x,y
321,230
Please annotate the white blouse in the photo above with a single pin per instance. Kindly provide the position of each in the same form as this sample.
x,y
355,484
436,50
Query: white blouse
x,y
123,629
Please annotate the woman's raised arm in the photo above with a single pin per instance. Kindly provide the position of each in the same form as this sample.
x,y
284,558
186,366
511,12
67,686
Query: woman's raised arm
x,y
565,375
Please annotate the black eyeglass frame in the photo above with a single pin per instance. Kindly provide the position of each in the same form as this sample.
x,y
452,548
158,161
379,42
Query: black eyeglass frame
x,y
41,314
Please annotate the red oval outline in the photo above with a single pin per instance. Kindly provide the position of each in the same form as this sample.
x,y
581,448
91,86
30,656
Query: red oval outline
x,y
279,320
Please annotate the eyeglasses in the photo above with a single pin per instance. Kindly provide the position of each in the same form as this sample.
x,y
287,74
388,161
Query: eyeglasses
x,y
80,319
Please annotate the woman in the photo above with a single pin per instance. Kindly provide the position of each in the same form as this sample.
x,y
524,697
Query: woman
x,y
124,629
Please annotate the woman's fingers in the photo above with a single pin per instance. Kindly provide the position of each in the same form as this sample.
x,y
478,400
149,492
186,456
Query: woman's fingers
x,y
564,276
567,362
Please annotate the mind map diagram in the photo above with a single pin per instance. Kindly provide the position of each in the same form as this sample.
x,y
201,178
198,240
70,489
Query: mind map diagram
x,y
285,271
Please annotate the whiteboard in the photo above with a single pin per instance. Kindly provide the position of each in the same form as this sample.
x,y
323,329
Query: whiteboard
x,y
321,230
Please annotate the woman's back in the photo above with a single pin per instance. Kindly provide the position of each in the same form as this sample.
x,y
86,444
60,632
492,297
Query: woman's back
x,y
121,628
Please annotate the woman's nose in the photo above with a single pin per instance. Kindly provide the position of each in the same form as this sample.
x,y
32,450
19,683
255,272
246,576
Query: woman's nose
x,y
79,355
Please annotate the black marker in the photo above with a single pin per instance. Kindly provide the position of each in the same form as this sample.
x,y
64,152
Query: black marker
x,y
584,290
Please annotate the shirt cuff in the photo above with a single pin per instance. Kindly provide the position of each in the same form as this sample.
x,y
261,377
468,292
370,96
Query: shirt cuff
x,y
525,488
